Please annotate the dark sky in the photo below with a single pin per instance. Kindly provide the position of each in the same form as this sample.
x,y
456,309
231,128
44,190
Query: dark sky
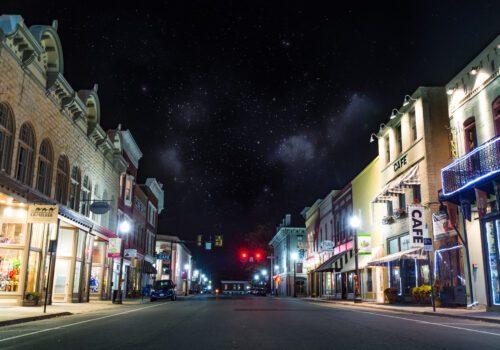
x,y
246,112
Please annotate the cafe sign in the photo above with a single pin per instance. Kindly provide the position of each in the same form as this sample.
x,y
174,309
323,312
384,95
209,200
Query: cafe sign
x,y
417,226
398,164
42,214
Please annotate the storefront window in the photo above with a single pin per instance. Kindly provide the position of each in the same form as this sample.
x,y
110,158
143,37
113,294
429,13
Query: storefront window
x,y
12,233
350,282
65,243
405,242
492,245
10,269
369,281
76,281
95,278
33,270
80,246
37,236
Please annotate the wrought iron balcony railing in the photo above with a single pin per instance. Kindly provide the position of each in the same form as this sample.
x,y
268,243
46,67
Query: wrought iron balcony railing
x,y
482,162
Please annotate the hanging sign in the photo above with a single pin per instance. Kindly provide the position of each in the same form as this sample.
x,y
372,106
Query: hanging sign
x,y
99,207
114,247
327,246
42,214
364,244
417,226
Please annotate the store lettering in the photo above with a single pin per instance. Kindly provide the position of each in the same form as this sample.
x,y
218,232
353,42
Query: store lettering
x,y
417,226
400,162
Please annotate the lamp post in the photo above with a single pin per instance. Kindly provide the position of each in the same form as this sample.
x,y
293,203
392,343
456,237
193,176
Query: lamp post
x,y
355,224
294,257
124,228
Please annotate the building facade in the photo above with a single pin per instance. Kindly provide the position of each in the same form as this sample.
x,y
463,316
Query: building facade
x,y
289,274
53,151
471,180
174,262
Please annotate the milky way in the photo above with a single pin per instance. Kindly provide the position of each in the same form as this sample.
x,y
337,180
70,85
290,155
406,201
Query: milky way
x,y
249,112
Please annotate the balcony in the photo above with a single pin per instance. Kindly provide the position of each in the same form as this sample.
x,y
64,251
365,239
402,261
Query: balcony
x,y
479,164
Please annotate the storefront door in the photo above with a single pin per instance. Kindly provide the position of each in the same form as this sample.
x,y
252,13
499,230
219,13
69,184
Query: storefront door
x,y
491,249
62,279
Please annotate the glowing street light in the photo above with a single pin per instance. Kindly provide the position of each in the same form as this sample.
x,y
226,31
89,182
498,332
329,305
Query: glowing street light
x,y
264,272
256,277
124,226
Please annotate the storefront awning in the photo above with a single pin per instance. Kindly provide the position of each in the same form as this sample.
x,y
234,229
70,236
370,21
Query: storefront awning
x,y
415,253
328,265
396,186
148,268
351,263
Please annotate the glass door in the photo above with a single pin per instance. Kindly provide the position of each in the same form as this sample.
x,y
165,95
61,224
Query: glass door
x,y
492,259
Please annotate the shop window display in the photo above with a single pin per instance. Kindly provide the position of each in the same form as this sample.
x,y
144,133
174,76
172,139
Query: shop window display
x,y
10,269
33,270
12,233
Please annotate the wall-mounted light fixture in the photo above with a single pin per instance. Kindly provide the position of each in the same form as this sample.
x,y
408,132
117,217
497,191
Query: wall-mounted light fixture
x,y
373,137
407,100
381,127
450,91
395,113
474,70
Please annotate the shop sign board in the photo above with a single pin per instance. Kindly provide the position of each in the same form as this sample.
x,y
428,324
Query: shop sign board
x,y
42,214
428,244
417,226
163,256
100,207
130,253
327,246
302,245
114,247
364,244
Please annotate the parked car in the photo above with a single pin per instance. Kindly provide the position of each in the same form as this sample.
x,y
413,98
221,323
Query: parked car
x,y
163,289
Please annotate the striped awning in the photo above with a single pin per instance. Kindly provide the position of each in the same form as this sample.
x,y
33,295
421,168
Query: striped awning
x,y
397,186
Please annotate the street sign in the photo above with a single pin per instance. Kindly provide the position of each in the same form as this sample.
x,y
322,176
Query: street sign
x,y
428,245
208,245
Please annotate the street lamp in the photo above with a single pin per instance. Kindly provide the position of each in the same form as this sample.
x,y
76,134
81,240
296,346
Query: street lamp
x,y
264,272
256,277
123,228
355,224
295,257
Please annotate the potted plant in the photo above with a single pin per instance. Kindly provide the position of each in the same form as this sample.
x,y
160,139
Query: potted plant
x,y
399,213
415,292
387,220
31,299
425,293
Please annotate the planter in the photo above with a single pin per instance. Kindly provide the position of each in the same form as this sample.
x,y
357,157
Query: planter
x,y
33,302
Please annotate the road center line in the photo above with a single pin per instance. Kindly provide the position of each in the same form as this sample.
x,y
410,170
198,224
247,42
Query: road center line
x,y
80,322
429,323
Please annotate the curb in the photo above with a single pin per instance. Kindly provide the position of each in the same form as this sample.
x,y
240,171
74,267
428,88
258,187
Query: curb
x,y
33,318
426,313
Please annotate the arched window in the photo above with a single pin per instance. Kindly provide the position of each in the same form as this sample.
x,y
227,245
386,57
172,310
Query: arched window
x,y
86,196
496,114
61,194
74,188
470,135
44,176
6,132
25,154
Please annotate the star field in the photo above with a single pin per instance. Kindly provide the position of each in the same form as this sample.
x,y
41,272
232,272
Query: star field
x,y
246,112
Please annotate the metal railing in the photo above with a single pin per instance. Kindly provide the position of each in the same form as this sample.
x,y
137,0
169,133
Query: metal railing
x,y
472,168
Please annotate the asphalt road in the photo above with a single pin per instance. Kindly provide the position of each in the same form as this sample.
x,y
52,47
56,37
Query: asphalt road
x,y
249,323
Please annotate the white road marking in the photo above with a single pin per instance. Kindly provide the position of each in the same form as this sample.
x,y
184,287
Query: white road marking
x,y
429,323
80,322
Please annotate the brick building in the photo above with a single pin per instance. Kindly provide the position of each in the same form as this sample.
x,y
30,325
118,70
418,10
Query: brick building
x,y
53,151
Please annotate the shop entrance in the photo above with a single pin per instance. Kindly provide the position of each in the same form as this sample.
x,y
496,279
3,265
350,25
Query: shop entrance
x,y
62,280
491,249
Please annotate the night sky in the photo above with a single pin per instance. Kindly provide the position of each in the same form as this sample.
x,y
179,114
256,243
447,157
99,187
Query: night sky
x,y
246,112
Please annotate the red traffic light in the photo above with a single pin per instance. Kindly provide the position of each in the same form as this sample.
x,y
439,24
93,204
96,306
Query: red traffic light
x,y
244,256
258,256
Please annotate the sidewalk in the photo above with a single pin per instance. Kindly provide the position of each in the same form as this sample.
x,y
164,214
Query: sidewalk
x,y
19,314
477,314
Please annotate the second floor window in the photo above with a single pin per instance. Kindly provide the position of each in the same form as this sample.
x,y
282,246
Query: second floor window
x,y
128,190
496,114
413,126
61,193
86,196
25,155
44,173
6,132
74,189
399,140
387,150
390,210
470,135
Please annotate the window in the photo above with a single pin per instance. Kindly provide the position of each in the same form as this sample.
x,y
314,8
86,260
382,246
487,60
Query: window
x,y
152,214
86,196
390,210
413,126
417,197
470,134
61,194
369,281
402,200
44,176
25,154
6,132
398,243
399,141
496,114
387,150
128,190
74,189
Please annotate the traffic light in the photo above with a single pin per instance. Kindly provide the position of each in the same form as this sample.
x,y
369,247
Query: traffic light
x,y
218,241
258,256
199,240
243,256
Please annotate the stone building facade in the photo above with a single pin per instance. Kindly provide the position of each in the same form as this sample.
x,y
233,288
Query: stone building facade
x,y
53,151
